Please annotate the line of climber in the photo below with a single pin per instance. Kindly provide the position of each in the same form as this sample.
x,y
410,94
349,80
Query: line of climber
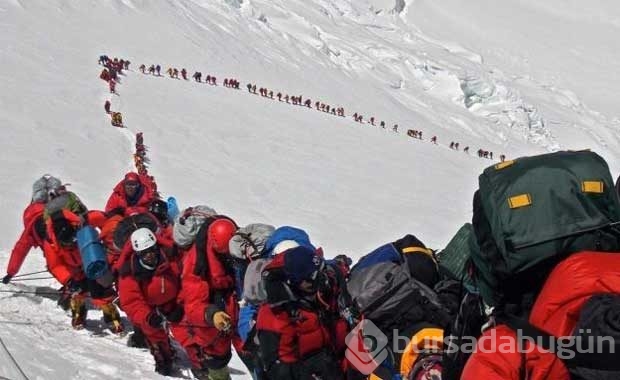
x,y
299,100
113,68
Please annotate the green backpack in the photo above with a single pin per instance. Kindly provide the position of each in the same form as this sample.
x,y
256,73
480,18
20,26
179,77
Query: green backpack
x,y
533,212
66,200
455,257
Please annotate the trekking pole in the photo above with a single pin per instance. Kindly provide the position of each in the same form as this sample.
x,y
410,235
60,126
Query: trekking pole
x,y
30,292
31,273
31,278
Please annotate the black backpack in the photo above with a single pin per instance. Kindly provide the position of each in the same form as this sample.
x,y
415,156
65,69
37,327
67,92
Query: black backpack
x,y
64,231
129,224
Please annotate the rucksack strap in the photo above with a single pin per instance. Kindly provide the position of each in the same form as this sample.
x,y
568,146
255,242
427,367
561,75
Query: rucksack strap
x,y
605,361
202,263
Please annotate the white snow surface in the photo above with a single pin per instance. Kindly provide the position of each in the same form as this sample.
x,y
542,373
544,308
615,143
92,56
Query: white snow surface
x,y
514,77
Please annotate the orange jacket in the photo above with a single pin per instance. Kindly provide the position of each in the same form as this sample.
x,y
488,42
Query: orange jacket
x,y
65,262
556,312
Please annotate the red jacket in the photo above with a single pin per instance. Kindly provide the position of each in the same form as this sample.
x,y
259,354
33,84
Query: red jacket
x,y
141,291
297,336
118,199
201,299
165,242
556,312
292,331
30,237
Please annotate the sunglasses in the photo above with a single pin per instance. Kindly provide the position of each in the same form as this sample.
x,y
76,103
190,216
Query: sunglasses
x,y
131,184
147,252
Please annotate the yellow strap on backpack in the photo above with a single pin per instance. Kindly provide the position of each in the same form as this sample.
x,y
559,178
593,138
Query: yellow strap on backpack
x,y
518,201
504,164
596,187
417,250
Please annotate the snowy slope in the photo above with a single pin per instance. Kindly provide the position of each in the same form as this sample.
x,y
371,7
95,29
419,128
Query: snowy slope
x,y
447,70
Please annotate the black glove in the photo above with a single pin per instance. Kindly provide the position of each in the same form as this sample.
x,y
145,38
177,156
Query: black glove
x,y
6,279
116,211
175,315
74,286
155,320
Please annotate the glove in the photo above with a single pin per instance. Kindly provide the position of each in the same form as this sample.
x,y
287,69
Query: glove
x,y
175,315
155,320
221,321
116,211
6,279
73,286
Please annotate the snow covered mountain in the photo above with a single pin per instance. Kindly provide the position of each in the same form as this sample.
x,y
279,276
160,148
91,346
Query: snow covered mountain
x,y
516,77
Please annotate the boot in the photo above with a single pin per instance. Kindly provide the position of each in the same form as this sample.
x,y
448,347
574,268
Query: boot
x,y
163,367
211,374
117,327
200,373
64,300
163,358
219,374
137,339
78,312
113,318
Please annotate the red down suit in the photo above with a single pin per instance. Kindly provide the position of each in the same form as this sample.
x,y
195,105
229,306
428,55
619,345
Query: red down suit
x,y
208,286
556,311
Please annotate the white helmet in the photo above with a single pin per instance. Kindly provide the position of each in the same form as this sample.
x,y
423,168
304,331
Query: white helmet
x,y
142,239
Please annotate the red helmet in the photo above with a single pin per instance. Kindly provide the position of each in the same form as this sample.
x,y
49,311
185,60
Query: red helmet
x,y
219,234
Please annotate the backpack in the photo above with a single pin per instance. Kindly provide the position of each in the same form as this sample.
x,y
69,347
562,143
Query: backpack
x,y
532,212
454,259
66,200
383,289
187,224
249,241
129,224
284,234
467,324
253,284
64,231
43,186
